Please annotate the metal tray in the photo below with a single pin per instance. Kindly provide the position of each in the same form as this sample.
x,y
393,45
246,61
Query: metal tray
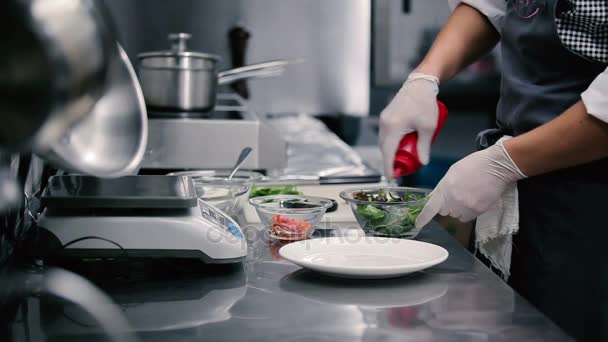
x,y
79,192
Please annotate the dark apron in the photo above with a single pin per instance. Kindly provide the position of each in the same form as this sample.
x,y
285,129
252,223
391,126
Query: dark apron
x,y
560,255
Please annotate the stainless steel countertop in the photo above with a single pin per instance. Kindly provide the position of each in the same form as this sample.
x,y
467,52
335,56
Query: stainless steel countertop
x,y
269,299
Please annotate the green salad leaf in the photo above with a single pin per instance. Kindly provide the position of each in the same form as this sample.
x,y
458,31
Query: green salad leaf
x,y
289,189
389,220
371,213
412,214
385,196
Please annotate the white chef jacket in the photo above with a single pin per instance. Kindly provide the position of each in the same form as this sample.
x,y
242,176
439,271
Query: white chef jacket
x,y
583,30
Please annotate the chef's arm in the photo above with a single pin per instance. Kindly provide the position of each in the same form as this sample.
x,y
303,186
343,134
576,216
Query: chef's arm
x,y
467,35
573,138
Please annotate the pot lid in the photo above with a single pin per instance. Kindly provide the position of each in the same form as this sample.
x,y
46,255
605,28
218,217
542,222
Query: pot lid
x,y
178,49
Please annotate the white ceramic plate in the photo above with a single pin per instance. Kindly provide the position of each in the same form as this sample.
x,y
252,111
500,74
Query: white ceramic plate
x,y
364,257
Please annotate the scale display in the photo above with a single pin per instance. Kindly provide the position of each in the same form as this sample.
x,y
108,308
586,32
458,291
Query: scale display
x,y
213,215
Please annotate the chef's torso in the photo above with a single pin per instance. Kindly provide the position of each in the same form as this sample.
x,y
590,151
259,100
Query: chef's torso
x,y
541,77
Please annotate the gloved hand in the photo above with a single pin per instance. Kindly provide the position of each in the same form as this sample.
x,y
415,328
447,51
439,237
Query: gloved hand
x,y
472,185
414,108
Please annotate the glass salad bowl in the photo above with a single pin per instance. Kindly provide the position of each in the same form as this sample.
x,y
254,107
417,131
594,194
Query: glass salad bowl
x,y
290,217
218,191
387,211
243,177
222,196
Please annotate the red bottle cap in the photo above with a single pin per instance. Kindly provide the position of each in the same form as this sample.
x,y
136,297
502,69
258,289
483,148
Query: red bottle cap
x,y
406,159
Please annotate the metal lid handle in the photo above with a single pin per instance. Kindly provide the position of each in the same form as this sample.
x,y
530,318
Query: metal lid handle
x,y
178,41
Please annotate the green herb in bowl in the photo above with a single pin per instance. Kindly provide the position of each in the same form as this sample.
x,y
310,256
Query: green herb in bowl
x,y
289,189
387,211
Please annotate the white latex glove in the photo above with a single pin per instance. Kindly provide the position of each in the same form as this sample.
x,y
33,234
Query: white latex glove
x,y
472,185
414,108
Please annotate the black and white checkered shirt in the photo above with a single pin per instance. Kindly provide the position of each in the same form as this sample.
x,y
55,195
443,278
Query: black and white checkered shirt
x,y
582,26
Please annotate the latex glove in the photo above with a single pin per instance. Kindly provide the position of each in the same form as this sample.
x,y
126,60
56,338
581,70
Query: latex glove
x,y
414,108
472,185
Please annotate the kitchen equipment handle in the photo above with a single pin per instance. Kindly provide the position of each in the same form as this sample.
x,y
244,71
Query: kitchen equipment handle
x,y
252,67
250,74
179,40
266,69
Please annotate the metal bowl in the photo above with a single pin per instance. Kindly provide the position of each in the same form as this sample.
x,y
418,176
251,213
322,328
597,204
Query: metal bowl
x,y
111,140
55,60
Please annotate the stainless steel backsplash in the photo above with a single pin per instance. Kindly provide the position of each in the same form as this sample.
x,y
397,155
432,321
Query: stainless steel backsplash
x,y
332,36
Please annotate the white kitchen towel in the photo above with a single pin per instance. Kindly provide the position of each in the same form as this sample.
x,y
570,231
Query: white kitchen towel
x,y
495,229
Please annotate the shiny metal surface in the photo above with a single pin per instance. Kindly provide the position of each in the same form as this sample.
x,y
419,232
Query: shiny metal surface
x,y
69,287
194,88
10,194
264,69
179,41
178,60
179,89
53,68
269,299
244,153
185,80
180,141
179,79
178,56
111,140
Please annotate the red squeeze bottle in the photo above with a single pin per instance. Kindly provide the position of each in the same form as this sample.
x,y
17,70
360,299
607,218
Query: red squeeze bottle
x,y
406,159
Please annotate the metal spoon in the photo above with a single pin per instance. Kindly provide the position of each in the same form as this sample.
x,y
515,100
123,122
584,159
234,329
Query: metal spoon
x,y
244,153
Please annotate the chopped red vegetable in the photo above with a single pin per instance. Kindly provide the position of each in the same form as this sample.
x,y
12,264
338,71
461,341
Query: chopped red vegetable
x,y
289,227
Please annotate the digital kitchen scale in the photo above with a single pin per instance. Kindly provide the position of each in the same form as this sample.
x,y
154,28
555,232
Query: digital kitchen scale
x,y
134,216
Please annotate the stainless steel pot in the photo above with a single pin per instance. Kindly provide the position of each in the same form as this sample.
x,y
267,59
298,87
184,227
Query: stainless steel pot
x,y
53,68
111,140
183,80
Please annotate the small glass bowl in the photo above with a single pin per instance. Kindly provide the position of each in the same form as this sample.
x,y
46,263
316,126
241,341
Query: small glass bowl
x,y
242,177
388,219
222,196
213,187
290,217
